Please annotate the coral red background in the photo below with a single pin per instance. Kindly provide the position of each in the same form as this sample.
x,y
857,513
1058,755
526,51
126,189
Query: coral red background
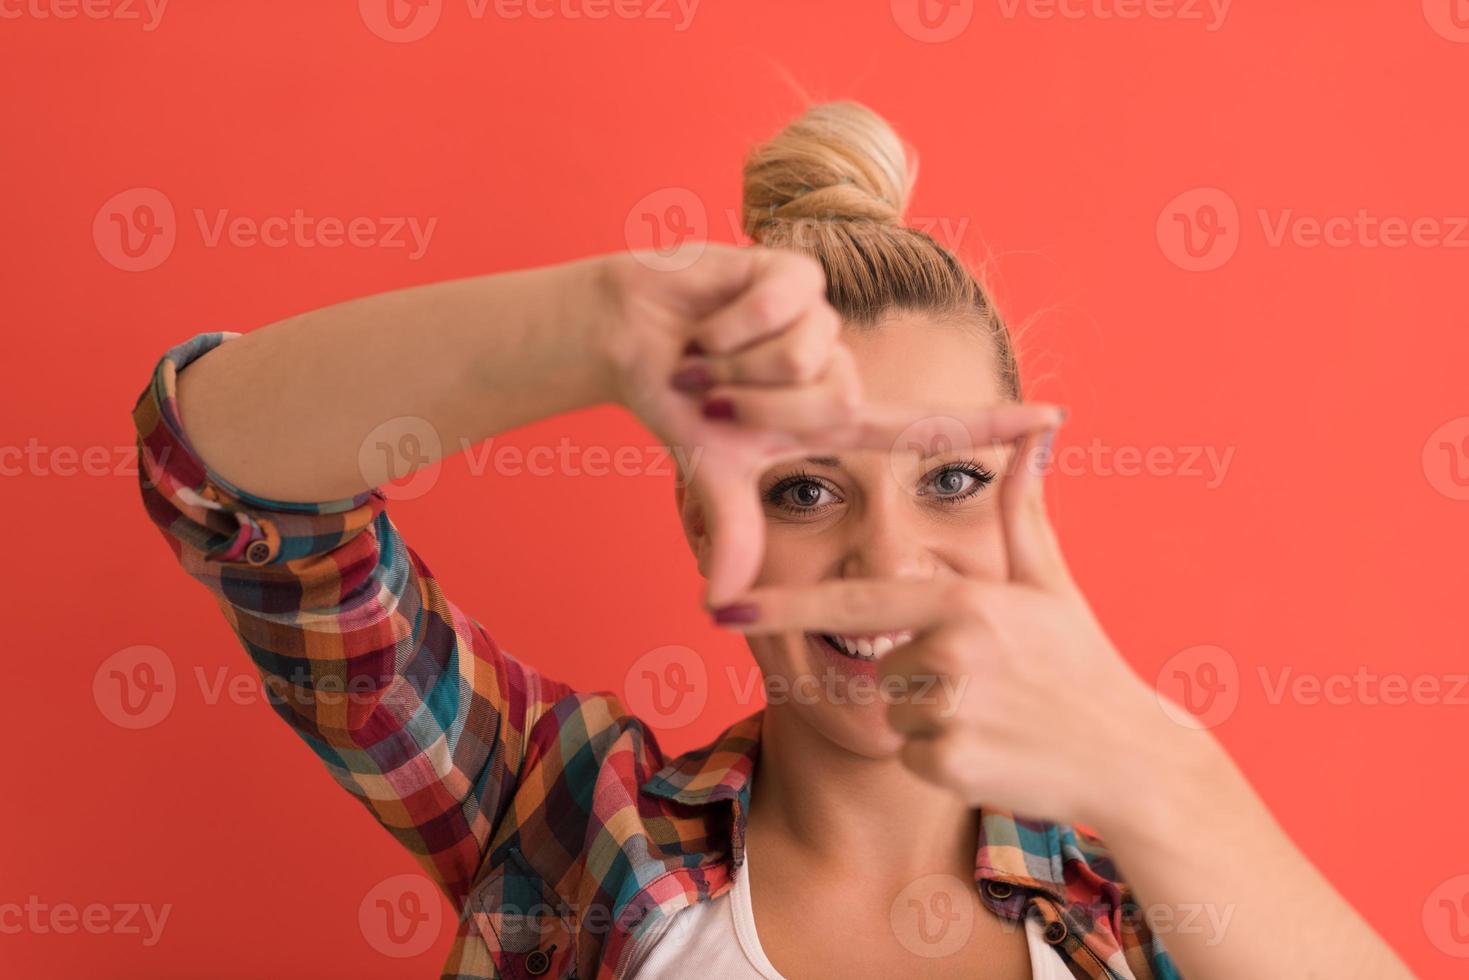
x,y
1334,543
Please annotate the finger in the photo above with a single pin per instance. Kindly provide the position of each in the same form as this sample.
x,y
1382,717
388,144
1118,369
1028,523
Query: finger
x,y
1031,548
783,287
851,606
799,355
945,759
910,428
831,402
735,525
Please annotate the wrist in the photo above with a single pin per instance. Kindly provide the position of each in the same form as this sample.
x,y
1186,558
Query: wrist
x,y
595,304
1169,781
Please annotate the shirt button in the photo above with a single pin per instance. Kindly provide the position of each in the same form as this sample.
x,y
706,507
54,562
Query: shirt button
x,y
537,963
258,553
999,890
1056,932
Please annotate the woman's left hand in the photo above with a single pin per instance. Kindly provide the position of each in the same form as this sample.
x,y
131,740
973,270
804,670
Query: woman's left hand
x,y
1034,710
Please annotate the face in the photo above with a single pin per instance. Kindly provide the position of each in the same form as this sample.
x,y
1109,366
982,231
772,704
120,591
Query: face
x,y
879,515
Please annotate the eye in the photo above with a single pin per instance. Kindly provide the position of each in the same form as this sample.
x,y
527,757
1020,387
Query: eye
x,y
801,493
956,481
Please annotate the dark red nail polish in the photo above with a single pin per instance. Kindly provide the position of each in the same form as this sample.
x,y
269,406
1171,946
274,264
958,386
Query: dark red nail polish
x,y
719,408
695,377
739,613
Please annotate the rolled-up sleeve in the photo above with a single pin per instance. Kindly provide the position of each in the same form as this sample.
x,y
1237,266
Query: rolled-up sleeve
x,y
410,704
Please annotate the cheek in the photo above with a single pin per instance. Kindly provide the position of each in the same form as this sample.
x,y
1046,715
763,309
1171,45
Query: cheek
x,y
976,549
794,556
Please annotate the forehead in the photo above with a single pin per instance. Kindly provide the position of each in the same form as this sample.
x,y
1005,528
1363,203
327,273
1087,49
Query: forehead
x,y
918,358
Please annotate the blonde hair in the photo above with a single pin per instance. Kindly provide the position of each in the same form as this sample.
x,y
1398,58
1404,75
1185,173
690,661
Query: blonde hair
x,y
835,184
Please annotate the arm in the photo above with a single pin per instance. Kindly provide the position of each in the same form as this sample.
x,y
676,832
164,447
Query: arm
x,y
283,411
1197,844
249,465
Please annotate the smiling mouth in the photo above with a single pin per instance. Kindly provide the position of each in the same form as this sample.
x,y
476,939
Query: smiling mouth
x,y
868,646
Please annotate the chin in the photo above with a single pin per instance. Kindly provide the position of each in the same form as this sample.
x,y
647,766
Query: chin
x,y
831,683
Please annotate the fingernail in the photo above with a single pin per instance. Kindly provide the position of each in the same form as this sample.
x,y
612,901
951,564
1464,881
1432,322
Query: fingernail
x,y
695,377
719,408
742,612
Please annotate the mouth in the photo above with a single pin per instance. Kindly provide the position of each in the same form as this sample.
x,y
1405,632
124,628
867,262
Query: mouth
x,y
868,646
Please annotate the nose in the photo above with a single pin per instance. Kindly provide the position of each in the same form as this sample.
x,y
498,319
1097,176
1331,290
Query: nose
x,y
882,547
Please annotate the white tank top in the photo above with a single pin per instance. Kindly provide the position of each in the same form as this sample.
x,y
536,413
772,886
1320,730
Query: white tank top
x,y
717,939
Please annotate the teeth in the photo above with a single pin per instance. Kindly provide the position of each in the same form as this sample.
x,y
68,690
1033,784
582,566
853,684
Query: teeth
x,y
870,647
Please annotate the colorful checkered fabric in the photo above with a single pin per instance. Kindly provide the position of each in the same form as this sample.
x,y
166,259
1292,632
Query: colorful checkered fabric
x,y
549,816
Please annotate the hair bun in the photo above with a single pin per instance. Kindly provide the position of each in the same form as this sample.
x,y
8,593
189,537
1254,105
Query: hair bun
x,y
839,161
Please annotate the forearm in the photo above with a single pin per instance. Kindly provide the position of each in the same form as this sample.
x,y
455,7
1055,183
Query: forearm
x,y
1223,886
284,412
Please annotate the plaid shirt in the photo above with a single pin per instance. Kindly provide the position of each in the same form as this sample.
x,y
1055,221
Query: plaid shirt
x,y
549,816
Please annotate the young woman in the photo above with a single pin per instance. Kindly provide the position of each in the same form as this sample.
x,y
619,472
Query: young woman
x,y
866,505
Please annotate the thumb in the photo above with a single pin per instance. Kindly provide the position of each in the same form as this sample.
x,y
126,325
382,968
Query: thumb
x,y
1030,542
735,526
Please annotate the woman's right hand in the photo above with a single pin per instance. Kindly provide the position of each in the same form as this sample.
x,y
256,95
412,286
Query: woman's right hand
x,y
729,361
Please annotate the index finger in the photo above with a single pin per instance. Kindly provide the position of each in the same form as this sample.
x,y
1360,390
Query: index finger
x,y
850,606
929,431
